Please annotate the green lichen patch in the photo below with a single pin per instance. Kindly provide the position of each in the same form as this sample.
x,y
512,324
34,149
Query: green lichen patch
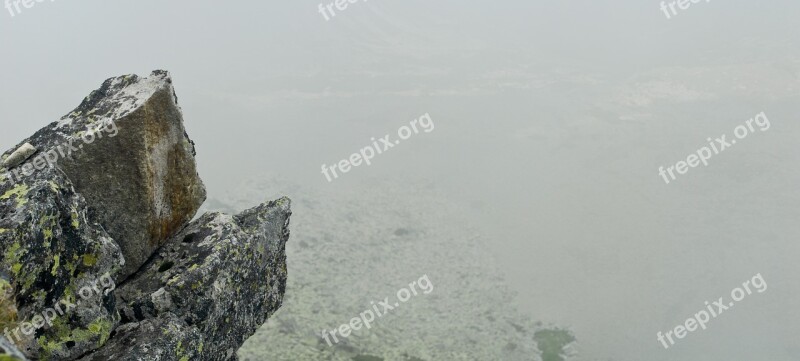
x,y
89,260
56,263
98,331
13,258
20,191
51,246
9,358
552,343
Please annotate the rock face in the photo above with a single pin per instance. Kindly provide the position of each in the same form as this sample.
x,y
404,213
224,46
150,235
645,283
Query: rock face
x,y
98,259
210,287
51,250
126,151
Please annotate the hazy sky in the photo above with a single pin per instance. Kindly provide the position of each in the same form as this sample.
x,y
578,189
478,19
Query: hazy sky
x,y
243,68
552,118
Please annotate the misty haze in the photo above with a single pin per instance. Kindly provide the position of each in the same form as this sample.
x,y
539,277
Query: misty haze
x,y
552,181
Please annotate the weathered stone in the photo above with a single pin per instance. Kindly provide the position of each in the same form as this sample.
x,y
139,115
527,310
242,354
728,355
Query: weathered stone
x,y
52,249
126,151
164,338
115,181
224,275
20,155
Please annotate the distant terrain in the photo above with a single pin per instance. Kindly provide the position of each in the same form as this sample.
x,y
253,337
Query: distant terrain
x,y
363,246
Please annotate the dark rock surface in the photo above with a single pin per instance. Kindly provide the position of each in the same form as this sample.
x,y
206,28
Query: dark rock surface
x,y
51,250
211,286
98,258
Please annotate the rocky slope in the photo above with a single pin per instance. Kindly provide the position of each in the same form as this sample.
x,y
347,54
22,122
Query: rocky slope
x,y
99,257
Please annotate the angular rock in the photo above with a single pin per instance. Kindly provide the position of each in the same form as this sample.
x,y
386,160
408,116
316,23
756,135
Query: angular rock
x,y
115,180
206,290
51,250
126,151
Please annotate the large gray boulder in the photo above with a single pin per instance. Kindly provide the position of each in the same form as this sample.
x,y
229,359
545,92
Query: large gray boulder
x,y
126,151
206,291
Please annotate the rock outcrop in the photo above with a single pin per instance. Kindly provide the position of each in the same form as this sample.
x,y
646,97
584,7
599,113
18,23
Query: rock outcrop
x,y
99,259
126,151
210,287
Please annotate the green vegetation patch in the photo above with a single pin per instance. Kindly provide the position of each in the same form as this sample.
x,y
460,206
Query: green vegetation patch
x,y
552,343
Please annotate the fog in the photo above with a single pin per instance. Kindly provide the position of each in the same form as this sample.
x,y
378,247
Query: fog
x,y
552,120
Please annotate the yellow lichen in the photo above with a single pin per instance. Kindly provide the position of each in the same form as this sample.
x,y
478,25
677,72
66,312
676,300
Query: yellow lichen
x,y
56,262
21,190
89,260
75,219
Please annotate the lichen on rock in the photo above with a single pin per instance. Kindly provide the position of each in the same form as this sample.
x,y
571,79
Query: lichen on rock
x,y
222,277
42,253
117,211
126,151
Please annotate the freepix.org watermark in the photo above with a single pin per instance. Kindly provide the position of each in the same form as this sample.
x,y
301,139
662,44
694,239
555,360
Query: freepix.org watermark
x,y
365,155
719,145
50,158
366,318
340,5
15,6
669,7
701,319
101,287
